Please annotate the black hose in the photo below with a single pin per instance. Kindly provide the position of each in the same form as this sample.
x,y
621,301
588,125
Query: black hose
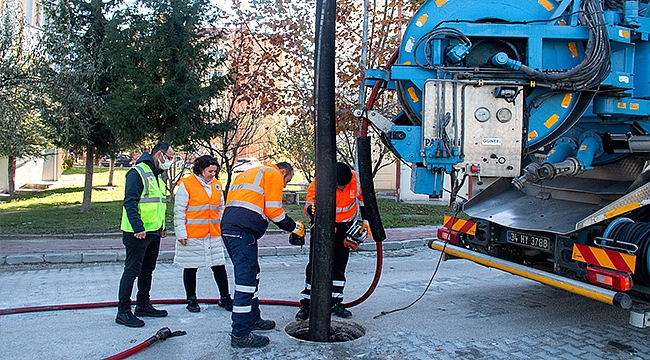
x,y
368,190
639,234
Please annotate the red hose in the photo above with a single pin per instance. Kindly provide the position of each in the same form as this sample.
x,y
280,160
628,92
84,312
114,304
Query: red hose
x,y
126,353
356,302
375,91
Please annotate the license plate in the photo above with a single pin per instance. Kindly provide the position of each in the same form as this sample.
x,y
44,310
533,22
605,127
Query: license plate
x,y
538,242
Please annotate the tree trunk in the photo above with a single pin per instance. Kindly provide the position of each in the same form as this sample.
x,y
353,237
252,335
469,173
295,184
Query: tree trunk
x,y
88,181
11,171
111,171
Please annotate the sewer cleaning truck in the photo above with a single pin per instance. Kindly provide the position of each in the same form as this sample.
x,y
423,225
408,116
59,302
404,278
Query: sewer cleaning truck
x,y
541,108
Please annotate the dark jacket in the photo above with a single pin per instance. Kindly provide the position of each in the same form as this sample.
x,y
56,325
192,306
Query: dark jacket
x,y
133,190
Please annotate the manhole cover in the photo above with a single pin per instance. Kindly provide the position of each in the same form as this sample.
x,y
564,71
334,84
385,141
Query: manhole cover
x,y
340,331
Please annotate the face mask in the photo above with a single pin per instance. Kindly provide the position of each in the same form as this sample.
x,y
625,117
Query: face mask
x,y
166,165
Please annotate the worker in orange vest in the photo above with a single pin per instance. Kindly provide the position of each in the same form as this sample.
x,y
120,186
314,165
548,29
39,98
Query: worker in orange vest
x,y
349,204
254,198
198,206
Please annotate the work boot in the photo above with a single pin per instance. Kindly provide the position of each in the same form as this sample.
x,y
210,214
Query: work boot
x,y
225,302
303,313
341,311
249,341
262,324
193,305
128,319
148,310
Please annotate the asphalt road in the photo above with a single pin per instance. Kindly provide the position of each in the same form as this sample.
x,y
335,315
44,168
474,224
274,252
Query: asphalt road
x,y
468,312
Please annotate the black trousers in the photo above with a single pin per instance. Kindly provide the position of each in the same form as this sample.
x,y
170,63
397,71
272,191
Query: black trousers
x,y
140,262
341,257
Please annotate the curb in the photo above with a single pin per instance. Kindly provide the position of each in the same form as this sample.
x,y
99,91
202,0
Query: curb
x,y
168,255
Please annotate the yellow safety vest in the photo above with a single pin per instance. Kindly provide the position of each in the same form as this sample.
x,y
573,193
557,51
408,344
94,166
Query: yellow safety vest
x,y
153,201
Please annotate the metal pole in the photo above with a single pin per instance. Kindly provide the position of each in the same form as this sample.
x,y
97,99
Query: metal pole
x,y
322,244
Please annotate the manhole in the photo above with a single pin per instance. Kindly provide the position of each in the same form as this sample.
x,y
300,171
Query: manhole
x,y
340,331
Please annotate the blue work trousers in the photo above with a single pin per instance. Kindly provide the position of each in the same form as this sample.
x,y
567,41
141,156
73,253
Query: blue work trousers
x,y
242,249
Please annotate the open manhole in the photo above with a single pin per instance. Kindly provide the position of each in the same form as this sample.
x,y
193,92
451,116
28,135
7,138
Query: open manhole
x,y
340,331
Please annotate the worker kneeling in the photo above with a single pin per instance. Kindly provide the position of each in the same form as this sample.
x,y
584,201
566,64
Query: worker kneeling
x,y
349,203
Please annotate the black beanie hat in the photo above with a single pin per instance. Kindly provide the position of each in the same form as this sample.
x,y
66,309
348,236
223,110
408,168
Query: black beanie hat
x,y
343,174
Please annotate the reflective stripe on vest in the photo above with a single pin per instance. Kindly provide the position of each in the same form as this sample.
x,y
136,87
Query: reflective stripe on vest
x,y
152,204
203,213
259,190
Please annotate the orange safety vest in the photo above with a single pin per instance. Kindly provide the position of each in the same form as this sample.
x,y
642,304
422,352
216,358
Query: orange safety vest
x,y
347,201
203,213
260,190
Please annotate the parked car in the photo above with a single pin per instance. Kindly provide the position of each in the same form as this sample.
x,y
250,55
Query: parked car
x,y
121,160
243,164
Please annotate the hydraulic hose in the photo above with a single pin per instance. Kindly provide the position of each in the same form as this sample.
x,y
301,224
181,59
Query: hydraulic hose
x,y
162,334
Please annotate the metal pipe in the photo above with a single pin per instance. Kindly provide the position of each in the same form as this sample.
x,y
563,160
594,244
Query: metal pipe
x,y
618,299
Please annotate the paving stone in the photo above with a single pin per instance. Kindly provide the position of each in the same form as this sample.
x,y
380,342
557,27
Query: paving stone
x,y
23,259
291,250
63,258
392,245
267,251
165,255
99,257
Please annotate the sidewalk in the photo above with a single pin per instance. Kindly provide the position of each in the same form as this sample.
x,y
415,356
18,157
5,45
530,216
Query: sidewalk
x,y
88,248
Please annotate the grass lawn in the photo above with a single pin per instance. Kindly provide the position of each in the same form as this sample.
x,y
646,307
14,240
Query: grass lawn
x,y
58,211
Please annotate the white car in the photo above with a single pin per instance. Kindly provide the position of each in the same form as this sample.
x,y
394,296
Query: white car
x,y
243,164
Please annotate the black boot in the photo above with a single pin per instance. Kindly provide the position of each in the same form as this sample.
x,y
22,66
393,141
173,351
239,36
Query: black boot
x,y
128,319
193,304
148,310
303,313
226,302
249,341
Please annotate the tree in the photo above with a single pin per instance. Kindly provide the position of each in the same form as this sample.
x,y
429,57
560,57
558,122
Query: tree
x,y
287,28
78,79
249,106
167,56
22,135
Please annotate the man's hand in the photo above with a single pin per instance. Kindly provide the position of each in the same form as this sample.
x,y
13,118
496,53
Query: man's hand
x,y
163,234
300,229
366,226
183,241
141,235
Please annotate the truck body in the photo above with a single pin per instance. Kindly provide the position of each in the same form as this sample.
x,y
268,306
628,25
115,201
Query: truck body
x,y
549,103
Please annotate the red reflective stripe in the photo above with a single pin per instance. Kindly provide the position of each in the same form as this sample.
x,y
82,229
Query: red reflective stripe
x,y
467,227
618,261
587,254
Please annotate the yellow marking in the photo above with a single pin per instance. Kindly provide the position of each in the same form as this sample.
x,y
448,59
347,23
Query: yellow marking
x,y
562,23
532,135
621,105
625,34
583,147
577,254
547,5
622,210
566,100
407,63
634,106
604,259
551,121
551,152
422,20
573,49
413,95
544,280
439,3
